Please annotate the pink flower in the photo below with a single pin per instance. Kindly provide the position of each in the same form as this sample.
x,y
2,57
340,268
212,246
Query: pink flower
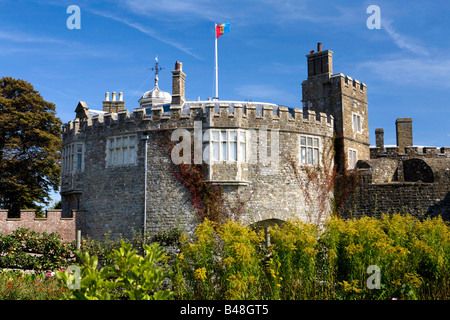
x,y
394,298
50,274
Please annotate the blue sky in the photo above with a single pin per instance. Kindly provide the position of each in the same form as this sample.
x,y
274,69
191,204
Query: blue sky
x,y
405,64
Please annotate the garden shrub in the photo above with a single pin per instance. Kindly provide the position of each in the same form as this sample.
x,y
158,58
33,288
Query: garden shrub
x,y
30,250
304,261
292,266
220,261
129,276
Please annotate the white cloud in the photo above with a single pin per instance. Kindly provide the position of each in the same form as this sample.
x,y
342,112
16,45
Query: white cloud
x,y
417,71
402,41
148,31
210,10
16,36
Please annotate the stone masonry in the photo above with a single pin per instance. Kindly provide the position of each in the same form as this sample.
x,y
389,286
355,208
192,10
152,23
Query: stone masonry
x,y
261,154
272,162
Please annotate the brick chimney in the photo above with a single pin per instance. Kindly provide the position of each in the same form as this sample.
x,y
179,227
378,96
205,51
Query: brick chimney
x,y
113,106
178,84
320,62
404,134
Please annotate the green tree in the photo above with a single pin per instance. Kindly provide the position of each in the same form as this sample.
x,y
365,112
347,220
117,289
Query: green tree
x,y
30,142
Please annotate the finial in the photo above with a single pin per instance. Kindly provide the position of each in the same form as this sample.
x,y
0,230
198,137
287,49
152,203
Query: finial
x,y
156,69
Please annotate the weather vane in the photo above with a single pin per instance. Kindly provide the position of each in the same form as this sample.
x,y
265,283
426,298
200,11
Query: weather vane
x,y
156,69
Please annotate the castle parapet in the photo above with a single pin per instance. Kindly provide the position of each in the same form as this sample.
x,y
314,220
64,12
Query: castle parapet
x,y
52,222
213,113
411,152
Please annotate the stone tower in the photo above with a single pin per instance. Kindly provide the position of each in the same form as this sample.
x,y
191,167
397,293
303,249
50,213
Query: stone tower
x,y
344,98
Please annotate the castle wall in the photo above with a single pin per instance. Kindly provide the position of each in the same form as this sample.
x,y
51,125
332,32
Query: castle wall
x,y
113,196
416,198
274,192
53,222
168,201
414,182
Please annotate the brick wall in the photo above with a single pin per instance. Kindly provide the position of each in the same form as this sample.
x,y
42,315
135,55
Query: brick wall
x,y
53,222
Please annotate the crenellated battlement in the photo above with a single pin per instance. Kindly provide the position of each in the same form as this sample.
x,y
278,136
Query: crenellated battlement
x,y
349,82
211,113
413,151
52,222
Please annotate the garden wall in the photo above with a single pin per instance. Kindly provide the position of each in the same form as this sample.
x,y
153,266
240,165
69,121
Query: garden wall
x,y
52,222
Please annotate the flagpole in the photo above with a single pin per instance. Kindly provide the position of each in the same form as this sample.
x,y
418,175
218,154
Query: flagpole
x,y
216,67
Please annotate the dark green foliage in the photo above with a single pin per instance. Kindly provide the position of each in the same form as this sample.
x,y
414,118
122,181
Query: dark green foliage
x,y
30,250
30,143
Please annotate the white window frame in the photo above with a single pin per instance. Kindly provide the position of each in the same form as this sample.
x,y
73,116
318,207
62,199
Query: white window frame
x,y
356,125
309,150
352,158
226,145
72,156
119,148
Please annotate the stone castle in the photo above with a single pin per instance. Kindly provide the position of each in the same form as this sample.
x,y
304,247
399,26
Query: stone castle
x,y
272,161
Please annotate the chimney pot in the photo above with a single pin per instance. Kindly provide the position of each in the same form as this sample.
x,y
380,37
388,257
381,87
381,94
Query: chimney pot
x,y
120,96
106,96
113,96
178,66
319,46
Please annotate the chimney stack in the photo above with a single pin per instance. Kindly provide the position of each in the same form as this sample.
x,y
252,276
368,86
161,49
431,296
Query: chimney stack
x,y
379,139
320,62
113,106
178,84
404,134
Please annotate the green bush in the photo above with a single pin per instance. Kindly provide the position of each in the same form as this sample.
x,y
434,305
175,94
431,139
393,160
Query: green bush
x,y
129,276
27,249
230,261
